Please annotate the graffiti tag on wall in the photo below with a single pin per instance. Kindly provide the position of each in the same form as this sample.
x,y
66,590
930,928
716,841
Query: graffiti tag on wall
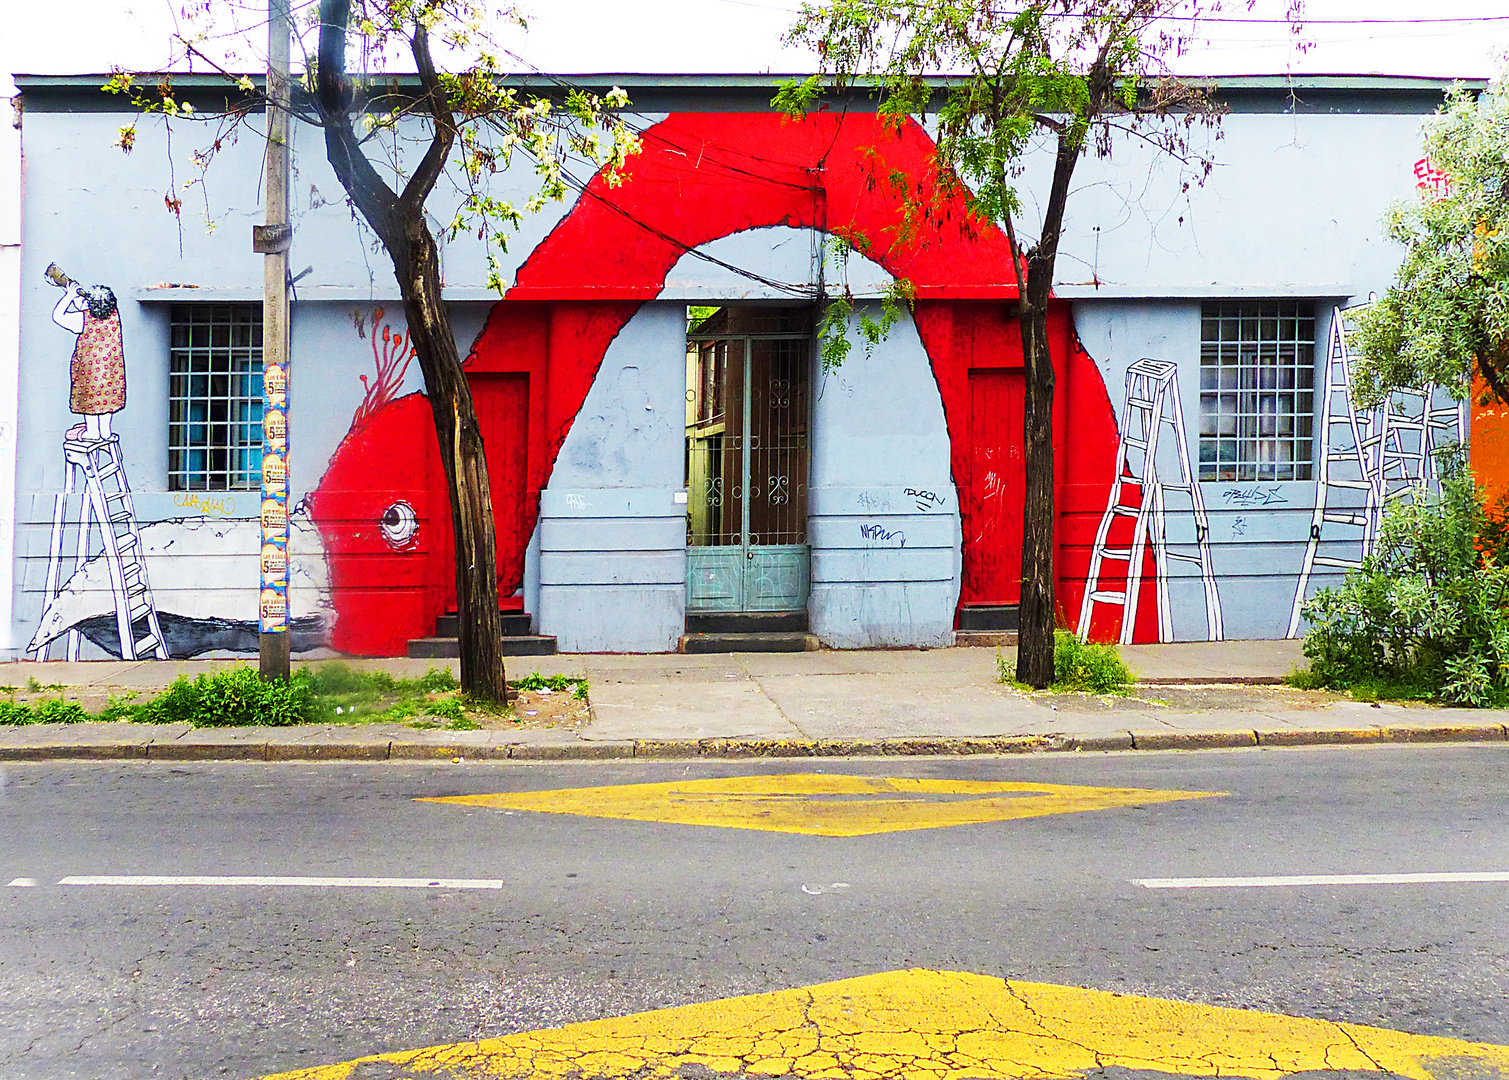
x,y
881,535
926,500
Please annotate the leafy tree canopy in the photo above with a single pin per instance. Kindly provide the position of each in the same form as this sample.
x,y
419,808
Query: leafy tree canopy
x,y
995,76
1446,317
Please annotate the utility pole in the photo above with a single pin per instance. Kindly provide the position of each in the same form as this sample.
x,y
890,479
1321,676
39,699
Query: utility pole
x,y
272,240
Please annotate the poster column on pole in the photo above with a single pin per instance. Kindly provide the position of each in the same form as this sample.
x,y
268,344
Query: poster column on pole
x,y
274,606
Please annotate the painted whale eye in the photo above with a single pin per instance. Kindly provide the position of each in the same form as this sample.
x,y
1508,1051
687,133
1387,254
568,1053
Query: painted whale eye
x,y
399,525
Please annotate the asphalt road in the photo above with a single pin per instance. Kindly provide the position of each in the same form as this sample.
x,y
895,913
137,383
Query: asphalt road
x,y
603,917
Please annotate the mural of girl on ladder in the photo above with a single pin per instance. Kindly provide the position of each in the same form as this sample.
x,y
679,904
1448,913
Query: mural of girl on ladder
x,y
97,369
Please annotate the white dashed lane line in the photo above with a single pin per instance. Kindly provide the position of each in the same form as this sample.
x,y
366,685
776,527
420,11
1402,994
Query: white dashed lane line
x,y
1317,879
282,882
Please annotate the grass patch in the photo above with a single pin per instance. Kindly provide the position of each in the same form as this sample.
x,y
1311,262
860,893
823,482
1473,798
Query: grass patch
x,y
1304,679
330,693
1365,689
1077,665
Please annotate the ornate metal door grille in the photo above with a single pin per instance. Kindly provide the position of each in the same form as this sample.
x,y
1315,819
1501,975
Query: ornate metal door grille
x,y
746,463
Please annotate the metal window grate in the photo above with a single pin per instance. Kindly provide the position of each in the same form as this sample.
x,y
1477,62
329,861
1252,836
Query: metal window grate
x,y
1257,389
215,398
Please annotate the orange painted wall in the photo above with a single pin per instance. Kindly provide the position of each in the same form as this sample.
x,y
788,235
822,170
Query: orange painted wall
x,y
1488,443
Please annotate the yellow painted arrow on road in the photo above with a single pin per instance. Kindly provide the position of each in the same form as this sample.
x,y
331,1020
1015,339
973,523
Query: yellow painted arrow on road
x,y
942,1025
821,804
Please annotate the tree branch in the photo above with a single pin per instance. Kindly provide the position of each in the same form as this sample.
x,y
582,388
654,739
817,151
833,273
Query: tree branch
x,y
376,201
433,163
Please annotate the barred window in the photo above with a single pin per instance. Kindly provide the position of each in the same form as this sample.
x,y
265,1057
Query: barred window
x,y
215,398
1257,389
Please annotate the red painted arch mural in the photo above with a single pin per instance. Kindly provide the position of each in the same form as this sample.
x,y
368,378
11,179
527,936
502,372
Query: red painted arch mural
x,y
700,177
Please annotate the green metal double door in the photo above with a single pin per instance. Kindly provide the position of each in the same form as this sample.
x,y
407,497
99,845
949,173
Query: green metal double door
x,y
747,403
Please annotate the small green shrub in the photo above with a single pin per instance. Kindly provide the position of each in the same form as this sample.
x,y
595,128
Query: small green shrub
x,y
536,681
1077,665
1427,613
436,680
235,697
1087,666
463,723
13,715
58,711
448,708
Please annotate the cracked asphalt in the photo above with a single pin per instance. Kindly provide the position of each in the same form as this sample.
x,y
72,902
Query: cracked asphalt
x,y
605,918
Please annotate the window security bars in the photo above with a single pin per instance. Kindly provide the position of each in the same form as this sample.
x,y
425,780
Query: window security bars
x,y
1257,388
215,398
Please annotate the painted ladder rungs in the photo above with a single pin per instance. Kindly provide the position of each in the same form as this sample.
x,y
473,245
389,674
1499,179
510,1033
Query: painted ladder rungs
x,y
1345,519
1101,597
1126,511
1345,564
1355,485
1116,553
1183,557
150,642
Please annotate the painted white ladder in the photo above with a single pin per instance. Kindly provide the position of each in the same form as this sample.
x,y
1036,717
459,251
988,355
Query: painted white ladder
x,y
107,504
1401,446
1391,448
1152,399
1346,464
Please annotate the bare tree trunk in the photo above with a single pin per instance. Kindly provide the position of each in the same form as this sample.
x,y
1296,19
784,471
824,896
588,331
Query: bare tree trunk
x,y
461,453
1034,659
398,220
1036,616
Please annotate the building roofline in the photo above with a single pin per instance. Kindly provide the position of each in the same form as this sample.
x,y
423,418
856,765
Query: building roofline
x,y
737,92
760,80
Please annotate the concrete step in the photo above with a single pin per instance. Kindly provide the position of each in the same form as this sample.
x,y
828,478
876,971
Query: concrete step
x,y
993,639
510,624
746,622
988,617
446,648
727,643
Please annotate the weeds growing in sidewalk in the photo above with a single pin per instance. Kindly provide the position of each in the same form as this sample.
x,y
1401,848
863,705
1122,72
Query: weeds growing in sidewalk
x,y
1078,665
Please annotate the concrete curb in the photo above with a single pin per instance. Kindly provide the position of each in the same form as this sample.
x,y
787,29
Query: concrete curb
x,y
735,749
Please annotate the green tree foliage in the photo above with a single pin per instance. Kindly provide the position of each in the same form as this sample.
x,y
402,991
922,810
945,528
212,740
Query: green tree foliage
x,y
1069,75
1446,316
1427,613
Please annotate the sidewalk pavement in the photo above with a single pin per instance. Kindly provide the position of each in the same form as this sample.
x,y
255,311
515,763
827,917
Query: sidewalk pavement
x,y
814,704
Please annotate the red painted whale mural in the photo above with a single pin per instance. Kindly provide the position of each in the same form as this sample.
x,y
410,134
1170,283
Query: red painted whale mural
x,y
701,177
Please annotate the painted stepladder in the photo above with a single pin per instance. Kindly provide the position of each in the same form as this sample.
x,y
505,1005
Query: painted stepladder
x,y
106,506
1385,454
1152,402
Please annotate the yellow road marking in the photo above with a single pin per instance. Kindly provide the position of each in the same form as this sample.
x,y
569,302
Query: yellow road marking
x,y
823,805
941,1025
